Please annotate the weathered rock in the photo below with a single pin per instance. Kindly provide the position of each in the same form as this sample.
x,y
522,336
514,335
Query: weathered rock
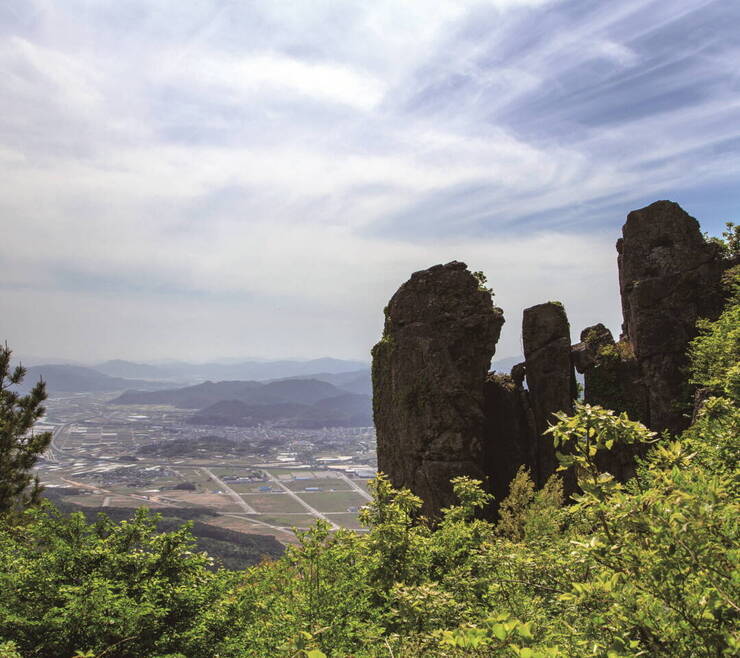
x,y
511,437
669,277
611,373
438,414
612,380
550,376
429,372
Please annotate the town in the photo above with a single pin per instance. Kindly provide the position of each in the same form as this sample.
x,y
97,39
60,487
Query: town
x,y
261,480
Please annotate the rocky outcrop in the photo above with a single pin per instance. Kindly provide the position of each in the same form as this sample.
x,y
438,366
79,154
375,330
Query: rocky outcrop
x,y
611,379
511,438
439,414
550,376
429,372
669,277
611,373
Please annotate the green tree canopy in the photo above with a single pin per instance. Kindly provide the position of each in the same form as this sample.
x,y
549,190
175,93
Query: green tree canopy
x,y
20,447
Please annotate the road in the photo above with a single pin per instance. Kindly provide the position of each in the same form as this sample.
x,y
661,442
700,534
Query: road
x,y
356,487
234,495
52,451
303,503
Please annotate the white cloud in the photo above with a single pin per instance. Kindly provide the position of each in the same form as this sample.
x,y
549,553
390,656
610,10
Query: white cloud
x,y
246,78
219,179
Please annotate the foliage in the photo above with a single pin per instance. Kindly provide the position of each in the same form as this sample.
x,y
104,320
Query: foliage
x,y
20,447
729,243
646,568
482,281
117,588
715,353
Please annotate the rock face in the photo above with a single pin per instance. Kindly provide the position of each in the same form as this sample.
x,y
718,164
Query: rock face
x,y
429,372
438,413
550,376
611,373
511,438
611,379
669,277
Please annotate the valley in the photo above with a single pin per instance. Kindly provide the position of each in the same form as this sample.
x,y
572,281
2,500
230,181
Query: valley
x,y
263,479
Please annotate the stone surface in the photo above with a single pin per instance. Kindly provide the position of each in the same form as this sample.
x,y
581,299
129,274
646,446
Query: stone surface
x,y
429,372
611,373
612,380
439,414
669,277
550,376
511,437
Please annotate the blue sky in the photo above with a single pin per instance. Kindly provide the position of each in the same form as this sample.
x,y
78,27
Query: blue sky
x,y
229,178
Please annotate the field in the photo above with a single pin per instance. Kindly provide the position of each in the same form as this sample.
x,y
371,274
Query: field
x,y
97,460
274,503
337,501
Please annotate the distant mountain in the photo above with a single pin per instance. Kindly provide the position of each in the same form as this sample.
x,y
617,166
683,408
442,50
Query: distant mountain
x,y
246,370
348,410
355,381
78,379
303,391
128,369
307,403
191,397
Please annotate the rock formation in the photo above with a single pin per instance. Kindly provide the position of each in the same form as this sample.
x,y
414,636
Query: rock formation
x,y
550,376
510,438
669,277
611,379
438,412
429,370
611,373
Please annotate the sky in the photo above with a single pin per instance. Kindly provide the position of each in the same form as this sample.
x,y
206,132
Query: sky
x,y
225,178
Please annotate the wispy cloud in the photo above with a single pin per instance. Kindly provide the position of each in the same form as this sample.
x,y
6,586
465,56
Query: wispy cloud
x,y
197,179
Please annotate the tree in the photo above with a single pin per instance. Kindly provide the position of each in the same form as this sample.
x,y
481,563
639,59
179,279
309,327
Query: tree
x,y
20,447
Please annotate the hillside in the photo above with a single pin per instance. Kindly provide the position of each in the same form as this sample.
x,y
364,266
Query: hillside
x,y
298,403
347,410
231,549
241,370
78,379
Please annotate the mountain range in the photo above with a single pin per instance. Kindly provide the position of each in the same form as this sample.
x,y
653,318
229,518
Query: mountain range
x,y
299,403
127,375
78,379
242,370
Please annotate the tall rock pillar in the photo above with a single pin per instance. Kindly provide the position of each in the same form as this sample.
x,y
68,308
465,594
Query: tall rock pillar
x,y
550,375
429,373
669,277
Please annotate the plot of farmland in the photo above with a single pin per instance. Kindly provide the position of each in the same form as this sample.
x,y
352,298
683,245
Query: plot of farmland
x,y
336,501
325,484
346,520
286,521
273,503
362,484
250,487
